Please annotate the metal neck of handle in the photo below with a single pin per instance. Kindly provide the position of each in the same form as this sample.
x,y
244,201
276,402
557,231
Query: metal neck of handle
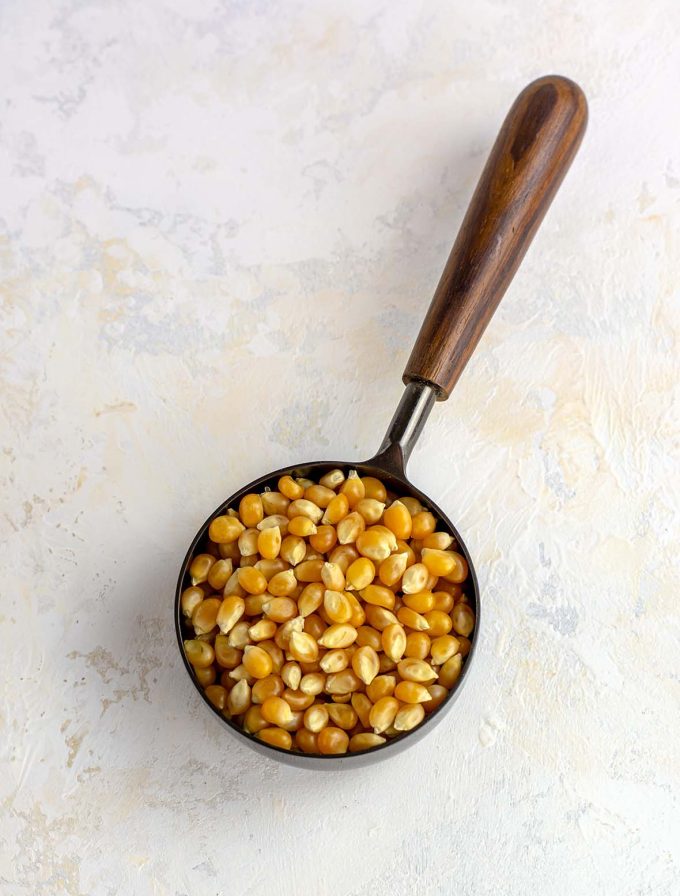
x,y
406,425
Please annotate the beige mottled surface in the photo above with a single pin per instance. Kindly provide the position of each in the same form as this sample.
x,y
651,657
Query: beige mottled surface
x,y
220,226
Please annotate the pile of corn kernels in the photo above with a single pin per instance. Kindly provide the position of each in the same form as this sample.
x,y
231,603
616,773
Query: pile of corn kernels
x,y
327,617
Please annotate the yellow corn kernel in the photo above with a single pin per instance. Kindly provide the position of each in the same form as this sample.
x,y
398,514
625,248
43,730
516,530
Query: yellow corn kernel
x,y
358,616
438,541
262,630
324,539
199,653
374,489
371,510
191,598
311,554
303,647
227,657
336,510
393,641
344,555
311,598
229,613
373,544
439,563
274,521
282,584
252,580
205,615
293,549
379,617
247,543
411,692
229,551
413,620
443,601
332,741
460,571
463,619
383,713
450,671
368,637
386,664
421,601
276,737
362,706
257,661
365,664
334,661
409,716
337,606
250,510
305,741
280,609
417,645
309,571
350,528
220,573
255,602
465,645
264,688
360,574
314,626
290,488
424,524
274,652
438,693
344,682
296,722
412,669
225,529
248,561
200,567
353,489
276,711
439,623
338,635
378,596
303,507
313,683
269,568
393,568
239,698
443,648
414,579
274,502
365,740
332,479
320,495
333,577
253,721
269,542
316,717
342,715
240,673
297,700
381,686
398,520
284,631
238,635
301,527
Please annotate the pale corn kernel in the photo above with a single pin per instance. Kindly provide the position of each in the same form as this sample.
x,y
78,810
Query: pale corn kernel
x,y
262,630
332,741
398,519
252,580
338,635
284,632
274,502
297,700
269,542
421,601
239,698
374,489
334,661
306,741
409,716
358,616
360,574
316,717
200,567
439,623
393,641
255,602
309,571
240,673
191,598
220,573
311,554
370,509
301,526
438,693
320,495
324,539
365,740
303,647
383,713
412,669
414,579
366,664
342,715
413,620
443,648
388,533
438,541
344,555
293,549
303,507
460,571
257,661
204,618
378,596
290,488
374,545
280,609
264,688
379,617
463,619
239,635
404,547
411,692
439,563
250,510
313,683
381,686
276,737
362,706
276,711
247,543
443,601
368,637
344,682
291,675
336,510
386,664
311,598
350,528
332,479
282,584
296,722
393,568
336,606
450,671
417,645
333,578
199,653
225,529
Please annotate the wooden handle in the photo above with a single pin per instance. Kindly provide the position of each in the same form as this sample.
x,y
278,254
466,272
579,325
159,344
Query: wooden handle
x,y
531,155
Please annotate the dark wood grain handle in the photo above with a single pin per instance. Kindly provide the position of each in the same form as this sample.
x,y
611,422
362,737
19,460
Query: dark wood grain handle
x,y
531,155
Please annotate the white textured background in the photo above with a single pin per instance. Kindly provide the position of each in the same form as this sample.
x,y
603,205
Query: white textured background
x,y
220,226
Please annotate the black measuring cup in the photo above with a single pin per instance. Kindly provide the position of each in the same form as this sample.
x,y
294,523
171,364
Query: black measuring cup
x,y
530,157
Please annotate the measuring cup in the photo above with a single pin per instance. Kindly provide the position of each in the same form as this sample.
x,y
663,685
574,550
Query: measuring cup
x,y
529,159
